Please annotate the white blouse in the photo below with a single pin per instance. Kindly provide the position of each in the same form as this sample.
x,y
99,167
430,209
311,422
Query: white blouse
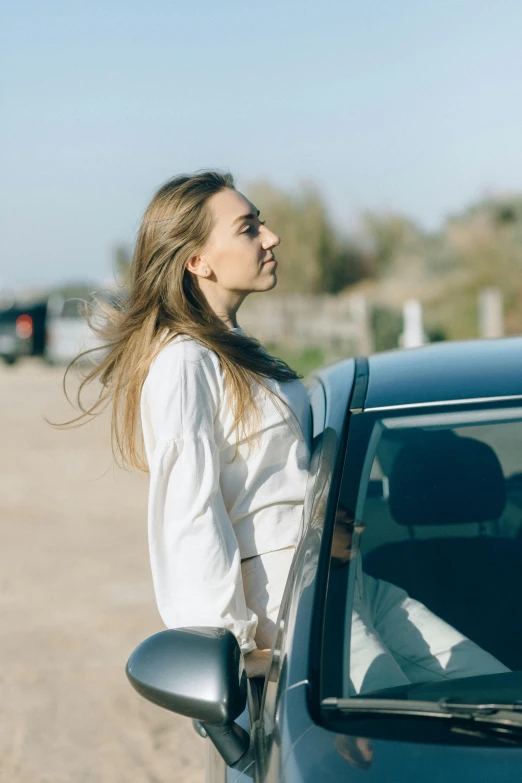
x,y
206,512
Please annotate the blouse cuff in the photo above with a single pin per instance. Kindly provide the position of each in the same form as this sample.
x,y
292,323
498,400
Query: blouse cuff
x,y
247,646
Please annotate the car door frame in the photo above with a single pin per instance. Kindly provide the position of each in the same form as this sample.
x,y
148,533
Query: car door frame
x,y
308,570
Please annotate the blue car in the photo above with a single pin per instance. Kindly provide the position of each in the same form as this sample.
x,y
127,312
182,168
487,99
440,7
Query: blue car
x,y
417,462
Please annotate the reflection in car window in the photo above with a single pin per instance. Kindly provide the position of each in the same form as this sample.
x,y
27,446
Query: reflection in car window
x,y
435,546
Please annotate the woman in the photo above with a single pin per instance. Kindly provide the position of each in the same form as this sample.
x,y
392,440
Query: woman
x,y
226,427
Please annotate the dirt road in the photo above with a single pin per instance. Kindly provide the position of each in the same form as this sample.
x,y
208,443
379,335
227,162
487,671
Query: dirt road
x,y
75,599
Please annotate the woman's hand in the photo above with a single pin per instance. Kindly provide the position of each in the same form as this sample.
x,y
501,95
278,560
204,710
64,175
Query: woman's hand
x,y
256,663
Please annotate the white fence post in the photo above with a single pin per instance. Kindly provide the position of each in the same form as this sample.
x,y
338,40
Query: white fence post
x,y
413,334
490,313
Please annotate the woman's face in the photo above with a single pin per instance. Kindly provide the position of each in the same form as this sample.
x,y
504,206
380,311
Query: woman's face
x,y
239,254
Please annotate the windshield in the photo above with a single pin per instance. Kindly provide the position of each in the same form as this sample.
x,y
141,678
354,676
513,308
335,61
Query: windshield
x,y
426,560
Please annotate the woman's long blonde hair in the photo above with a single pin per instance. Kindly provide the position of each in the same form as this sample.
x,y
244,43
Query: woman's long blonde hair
x,y
163,299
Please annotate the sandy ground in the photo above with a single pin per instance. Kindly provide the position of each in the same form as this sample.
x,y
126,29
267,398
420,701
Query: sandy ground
x,y
75,599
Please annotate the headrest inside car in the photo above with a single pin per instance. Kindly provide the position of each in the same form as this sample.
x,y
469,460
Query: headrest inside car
x,y
444,479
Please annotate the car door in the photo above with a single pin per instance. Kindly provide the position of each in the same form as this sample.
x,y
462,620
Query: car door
x,y
268,749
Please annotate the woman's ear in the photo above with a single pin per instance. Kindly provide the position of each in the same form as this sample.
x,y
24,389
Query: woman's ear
x,y
198,266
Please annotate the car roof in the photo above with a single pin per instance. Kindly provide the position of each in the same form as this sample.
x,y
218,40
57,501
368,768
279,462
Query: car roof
x,y
444,372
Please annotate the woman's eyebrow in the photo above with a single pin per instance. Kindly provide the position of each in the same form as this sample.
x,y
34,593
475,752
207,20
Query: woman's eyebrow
x,y
250,216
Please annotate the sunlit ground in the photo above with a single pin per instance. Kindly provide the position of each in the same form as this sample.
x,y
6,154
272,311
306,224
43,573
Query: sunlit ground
x,y
75,599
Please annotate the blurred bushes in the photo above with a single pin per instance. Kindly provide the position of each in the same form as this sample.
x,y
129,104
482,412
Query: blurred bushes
x,y
386,325
480,247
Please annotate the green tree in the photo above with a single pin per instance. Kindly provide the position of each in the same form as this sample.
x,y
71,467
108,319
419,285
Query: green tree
x,y
389,236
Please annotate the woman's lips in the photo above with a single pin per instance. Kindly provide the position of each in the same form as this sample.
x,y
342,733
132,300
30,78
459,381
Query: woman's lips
x,y
270,261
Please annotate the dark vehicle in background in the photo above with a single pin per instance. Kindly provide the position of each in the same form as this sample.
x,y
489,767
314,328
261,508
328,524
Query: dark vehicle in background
x,y
22,331
425,447
55,329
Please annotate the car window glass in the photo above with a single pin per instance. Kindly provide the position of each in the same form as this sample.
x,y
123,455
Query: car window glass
x,y
386,521
434,548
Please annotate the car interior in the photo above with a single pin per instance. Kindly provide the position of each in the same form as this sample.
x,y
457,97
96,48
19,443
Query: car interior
x,y
444,522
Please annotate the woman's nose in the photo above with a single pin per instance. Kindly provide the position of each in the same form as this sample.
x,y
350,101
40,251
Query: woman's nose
x,y
270,239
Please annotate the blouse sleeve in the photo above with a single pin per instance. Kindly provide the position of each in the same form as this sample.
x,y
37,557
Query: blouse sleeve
x,y
195,559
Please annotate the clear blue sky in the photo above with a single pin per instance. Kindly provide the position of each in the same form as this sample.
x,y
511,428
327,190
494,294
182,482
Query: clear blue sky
x,y
410,106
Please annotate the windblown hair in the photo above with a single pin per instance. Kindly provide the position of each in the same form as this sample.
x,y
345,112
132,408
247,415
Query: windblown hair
x,y
164,300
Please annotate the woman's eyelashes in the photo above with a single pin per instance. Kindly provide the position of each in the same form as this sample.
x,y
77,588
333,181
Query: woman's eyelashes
x,y
252,230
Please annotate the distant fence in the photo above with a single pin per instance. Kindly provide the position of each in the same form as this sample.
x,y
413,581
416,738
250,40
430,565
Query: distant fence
x,y
339,325
346,325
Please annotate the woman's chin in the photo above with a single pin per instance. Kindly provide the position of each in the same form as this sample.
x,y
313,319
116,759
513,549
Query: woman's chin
x,y
272,281
265,283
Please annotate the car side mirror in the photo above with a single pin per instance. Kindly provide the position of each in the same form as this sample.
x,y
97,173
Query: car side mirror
x,y
199,673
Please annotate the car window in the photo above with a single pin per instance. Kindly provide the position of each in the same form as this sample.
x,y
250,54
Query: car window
x,y
72,308
426,558
386,519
